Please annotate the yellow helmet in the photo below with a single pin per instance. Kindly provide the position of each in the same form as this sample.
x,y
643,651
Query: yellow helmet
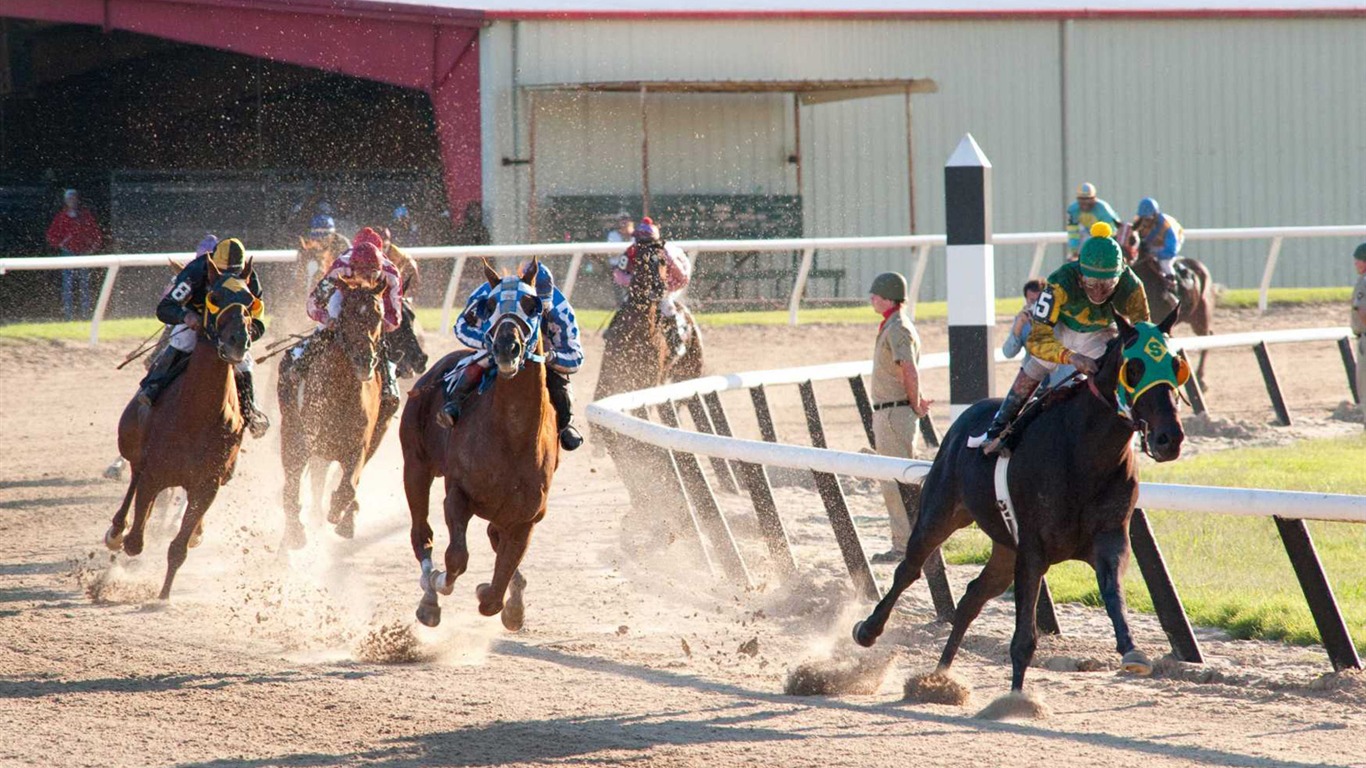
x,y
229,254
1087,191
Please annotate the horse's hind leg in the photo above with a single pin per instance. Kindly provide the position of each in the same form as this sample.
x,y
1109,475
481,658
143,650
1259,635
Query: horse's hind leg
x,y
200,498
510,544
992,581
293,456
934,526
344,505
1111,554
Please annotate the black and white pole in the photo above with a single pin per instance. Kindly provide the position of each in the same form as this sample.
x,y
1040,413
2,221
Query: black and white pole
x,y
971,276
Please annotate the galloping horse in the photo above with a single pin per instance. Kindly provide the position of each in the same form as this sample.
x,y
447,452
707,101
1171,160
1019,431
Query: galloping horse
x,y
635,354
191,436
333,413
1073,479
497,460
1195,295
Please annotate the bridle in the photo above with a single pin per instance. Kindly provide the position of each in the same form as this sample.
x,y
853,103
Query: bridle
x,y
510,295
1126,396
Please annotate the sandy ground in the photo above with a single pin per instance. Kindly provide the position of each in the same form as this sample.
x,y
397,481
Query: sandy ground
x,y
631,654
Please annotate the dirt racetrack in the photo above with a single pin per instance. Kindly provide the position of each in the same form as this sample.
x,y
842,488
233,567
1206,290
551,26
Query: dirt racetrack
x,y
629,654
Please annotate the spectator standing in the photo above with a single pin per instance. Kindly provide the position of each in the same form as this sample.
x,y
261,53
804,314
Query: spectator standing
x,y
898,403
74,232
625,231
1359,322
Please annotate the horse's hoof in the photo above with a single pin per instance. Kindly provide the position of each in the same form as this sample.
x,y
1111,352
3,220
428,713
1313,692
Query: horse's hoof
x,y
295,538
132,546
489,603
513,615
197,537
115,471
113,539
428,613
1136,662
334,516
862,636
347,527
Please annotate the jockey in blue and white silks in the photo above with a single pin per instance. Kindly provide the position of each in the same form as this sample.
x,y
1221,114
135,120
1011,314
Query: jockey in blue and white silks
x,y
564,352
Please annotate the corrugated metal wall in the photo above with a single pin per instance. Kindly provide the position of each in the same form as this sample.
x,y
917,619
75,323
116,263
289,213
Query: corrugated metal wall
x,y
1227,123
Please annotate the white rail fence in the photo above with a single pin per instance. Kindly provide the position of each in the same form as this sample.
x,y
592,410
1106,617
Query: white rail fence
x,y
626,415
921,245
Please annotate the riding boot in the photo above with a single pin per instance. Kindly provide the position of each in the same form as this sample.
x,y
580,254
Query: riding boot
x,y
159,375
1015,399
458,394
388,393
562,397
257,421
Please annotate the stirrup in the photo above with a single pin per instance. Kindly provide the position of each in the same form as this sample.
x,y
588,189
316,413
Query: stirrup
x,y
570,439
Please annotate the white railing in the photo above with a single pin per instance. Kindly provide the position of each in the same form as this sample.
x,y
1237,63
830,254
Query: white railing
x,y
612,413
920,244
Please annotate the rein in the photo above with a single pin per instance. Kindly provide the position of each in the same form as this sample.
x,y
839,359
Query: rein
x,y
1125,415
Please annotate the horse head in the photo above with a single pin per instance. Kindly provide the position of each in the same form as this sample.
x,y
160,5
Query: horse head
x,y
232,313
514,317
361,323
1129,242
649,280
1146,376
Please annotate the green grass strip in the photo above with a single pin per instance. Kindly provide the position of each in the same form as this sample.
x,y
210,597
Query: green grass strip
x,y
1232,572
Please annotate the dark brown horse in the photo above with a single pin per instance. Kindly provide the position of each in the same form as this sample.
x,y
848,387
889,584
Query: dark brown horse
x,y
635,354
1074,481
497,460
191,436
332,412
1195,291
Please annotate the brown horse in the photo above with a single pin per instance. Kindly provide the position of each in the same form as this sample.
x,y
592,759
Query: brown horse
x,y
314,257
332,413
497,460
191,436
635,354
1195,293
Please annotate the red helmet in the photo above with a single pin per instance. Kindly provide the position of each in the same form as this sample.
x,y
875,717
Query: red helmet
x,y
364,257
368,235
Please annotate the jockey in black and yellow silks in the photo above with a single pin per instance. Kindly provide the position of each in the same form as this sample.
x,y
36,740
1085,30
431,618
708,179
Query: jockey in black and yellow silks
x,y
1074,320
183,308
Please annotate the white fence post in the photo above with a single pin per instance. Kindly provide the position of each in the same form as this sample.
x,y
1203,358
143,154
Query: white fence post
x,y
799,287
1037,264
102,304
1270,270
573,277
456,271
922,260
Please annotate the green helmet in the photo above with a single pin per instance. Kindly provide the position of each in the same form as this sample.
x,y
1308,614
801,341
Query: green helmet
x,y
1360,254
1100,258
890,286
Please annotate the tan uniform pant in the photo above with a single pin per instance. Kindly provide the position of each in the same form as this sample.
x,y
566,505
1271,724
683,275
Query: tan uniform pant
x,y
1361,372
895,431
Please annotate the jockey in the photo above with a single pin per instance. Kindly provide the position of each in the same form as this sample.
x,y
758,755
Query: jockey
x,y
561,332
183,308
648,236
365,259
1087,210
322,235
1161,235
1074,321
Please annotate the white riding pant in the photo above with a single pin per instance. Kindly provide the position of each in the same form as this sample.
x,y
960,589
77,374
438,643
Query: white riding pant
x,y
184,340
1167,264
1090,344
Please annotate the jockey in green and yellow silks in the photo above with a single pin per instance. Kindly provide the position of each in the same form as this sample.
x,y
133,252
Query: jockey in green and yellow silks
x,y
1074,319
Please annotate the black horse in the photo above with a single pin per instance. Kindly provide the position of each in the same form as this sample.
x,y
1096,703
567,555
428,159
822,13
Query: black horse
x,y
1074,481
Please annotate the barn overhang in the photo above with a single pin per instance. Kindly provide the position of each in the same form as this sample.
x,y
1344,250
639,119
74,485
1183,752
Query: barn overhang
x,y
433,50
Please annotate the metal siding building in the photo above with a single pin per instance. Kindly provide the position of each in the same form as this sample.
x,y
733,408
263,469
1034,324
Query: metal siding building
x,y
1226,121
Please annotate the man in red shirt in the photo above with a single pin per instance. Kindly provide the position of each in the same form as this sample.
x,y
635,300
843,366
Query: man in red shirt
x,y
74,232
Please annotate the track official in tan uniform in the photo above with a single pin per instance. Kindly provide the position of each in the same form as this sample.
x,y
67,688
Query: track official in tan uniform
x,y
897,400
1359,322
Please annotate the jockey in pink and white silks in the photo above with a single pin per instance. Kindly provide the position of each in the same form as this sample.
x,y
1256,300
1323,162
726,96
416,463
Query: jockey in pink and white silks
x,y
677,277
564,352
364,260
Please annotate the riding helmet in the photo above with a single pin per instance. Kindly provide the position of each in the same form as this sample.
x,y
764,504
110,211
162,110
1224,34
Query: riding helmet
x,y
646,231
890,286
368,235
1100,258
229,254
1087,191
1360,253
322,226
1148,207
364,257
206,245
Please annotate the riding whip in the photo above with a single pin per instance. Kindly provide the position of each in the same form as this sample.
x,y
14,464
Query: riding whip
x,y
141,349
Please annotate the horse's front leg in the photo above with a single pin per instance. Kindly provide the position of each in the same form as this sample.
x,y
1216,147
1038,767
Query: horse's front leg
x,y
510,544
1111,555
344,505
457,556
1029,571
